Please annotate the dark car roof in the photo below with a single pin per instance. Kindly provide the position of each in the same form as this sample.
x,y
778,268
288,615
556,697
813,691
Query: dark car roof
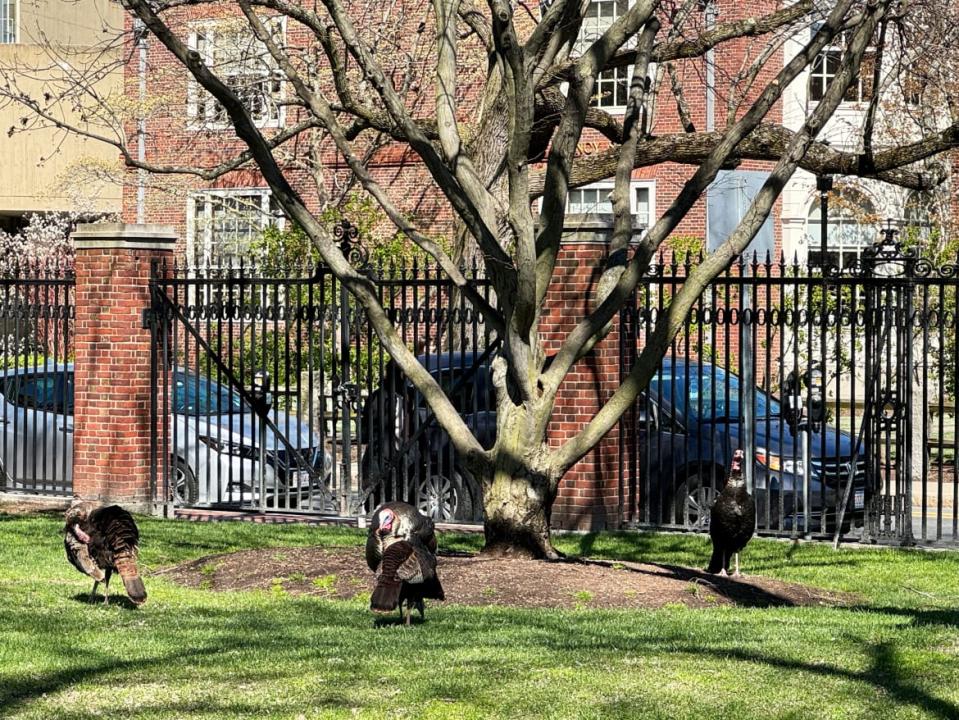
x,y
447,360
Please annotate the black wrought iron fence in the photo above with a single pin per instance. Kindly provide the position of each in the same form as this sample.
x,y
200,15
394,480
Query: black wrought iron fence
x,y
273,391
840,384
36,379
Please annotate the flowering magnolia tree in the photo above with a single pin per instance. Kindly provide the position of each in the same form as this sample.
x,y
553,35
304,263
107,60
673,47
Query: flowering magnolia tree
x,y
44,243
499,104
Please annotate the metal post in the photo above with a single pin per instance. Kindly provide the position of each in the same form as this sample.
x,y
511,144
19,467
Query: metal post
x,y
806,470
140,32
824,186
748,387
261,390
348,235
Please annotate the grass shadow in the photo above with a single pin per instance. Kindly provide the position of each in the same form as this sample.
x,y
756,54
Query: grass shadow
x,y
121,601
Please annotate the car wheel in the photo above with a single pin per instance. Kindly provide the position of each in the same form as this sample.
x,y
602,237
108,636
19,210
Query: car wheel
x,y
694,497
184,489
443,496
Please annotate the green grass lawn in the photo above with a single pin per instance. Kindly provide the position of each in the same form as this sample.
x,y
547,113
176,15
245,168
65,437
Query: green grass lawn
x,y
196,654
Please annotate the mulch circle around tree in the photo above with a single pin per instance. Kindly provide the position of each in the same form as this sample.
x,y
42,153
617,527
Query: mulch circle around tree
x,y
341,573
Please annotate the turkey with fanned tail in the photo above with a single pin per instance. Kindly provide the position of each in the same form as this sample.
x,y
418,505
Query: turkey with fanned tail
x,y
101,541
401,549
732,519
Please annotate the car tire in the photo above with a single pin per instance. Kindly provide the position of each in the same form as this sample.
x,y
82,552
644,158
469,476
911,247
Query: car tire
x,y
184,489
443,496
694,497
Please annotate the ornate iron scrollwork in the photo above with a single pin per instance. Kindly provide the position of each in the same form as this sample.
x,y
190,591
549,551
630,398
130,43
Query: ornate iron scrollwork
x,y
887,257
348,236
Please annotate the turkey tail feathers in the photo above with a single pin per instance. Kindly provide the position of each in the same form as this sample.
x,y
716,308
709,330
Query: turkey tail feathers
x,y
389,584
386,594
127,567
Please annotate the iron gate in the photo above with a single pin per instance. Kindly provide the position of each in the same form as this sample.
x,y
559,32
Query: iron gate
x,y
881,335
36,379
272,392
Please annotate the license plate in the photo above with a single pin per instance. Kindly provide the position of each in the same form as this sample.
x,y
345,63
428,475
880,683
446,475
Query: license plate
x,y
859,500
299,480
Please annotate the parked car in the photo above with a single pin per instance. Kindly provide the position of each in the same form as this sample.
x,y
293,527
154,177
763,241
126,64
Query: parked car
x,y
408,456
690,421
213,432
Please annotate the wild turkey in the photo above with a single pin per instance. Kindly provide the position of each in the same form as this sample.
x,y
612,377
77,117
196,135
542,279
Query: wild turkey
x,y
101,541
397,521
732,519
401,549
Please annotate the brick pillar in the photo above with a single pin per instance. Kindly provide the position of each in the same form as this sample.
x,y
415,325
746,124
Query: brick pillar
x,y
111,442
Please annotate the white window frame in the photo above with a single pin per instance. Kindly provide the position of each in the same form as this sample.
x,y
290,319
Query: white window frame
x,y
839,240
200,250
10,26
583,43
634,185
202,107
823,78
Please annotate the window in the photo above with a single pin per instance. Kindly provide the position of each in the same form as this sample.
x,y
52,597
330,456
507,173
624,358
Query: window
x,y
8,21
597,200
826,66
612,86
851,228
221,224
919,213
232,52
46,393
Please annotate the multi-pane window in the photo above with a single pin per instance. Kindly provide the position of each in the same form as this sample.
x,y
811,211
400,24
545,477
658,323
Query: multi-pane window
x,y
231,51
597,200
850,229
221,224
612,86
8,21
826,66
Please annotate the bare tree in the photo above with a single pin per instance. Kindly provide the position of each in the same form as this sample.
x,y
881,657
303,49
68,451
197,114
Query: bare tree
x,y
520,140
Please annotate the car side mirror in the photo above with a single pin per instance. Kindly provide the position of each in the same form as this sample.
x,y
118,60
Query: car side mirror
x,y
648,417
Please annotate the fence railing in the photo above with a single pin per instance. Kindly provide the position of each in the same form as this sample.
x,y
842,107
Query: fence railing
x,y
271,385
36,379
877,343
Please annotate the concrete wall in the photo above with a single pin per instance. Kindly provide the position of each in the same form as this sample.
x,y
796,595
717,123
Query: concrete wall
x,y
39,168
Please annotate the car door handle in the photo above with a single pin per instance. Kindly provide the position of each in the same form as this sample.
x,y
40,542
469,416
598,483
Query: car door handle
x,y
66,429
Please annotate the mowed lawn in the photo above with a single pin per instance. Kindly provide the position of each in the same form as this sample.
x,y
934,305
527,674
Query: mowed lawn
x,y
193,653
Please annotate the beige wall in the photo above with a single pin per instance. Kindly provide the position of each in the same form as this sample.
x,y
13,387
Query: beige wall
x,y
68,22
40,169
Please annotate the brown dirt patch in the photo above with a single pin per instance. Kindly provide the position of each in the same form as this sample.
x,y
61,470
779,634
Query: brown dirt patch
x,y
341,573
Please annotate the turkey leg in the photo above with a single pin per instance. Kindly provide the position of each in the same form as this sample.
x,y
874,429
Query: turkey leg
x,y
106,588
93,593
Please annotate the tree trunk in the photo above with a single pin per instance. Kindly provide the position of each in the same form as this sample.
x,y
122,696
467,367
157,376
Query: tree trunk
x,y
517,519
518,498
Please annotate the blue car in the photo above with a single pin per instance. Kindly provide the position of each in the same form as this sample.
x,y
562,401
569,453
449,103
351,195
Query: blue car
x,y
689,423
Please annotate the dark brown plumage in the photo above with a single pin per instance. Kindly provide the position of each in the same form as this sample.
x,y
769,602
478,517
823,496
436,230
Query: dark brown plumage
x,y
397,520
401,549
101,541
732,519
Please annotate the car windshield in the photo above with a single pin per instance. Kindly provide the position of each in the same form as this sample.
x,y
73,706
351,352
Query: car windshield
x,y
706,392
197,396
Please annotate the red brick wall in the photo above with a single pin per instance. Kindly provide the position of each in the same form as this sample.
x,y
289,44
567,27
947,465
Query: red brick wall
x,y
112,375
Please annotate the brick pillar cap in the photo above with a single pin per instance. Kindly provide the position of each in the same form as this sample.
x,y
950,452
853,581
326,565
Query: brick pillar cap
x,y
94,236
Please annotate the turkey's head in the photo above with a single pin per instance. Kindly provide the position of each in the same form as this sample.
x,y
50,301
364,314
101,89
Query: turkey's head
x,y
77,514
737,462
387,518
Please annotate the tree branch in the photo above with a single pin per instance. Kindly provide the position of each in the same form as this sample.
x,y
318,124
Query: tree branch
x,y
683,300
